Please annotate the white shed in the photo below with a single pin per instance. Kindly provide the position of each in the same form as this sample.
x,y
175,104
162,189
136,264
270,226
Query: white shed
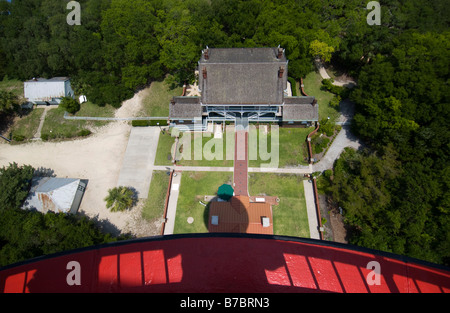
x,y
59,195
48,91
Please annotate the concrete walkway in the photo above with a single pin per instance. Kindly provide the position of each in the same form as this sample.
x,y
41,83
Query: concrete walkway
x,y
311,210
37,136
172,205
293,170
137,165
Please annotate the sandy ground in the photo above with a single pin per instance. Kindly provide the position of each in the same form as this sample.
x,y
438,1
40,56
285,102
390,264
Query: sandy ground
x,y
97,158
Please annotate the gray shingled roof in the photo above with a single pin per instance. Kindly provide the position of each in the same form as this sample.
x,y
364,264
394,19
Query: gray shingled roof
x,y
185,108
300,109
242,55
242,76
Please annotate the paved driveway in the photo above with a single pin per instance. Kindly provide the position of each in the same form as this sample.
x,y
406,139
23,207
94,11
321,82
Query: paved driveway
x,y
137,165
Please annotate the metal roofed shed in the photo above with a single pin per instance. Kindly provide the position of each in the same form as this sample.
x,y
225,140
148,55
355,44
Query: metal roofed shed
x,y
59,195
48,91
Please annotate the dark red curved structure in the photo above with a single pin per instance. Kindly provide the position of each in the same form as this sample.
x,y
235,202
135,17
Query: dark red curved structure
x,y
224,263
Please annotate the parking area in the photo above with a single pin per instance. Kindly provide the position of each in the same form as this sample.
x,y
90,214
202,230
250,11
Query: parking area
x,y
137,165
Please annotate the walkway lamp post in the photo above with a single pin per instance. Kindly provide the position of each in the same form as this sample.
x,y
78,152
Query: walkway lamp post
x,y
160,128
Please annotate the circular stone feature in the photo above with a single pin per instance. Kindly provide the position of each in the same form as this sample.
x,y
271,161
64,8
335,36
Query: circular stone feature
x,y
190,220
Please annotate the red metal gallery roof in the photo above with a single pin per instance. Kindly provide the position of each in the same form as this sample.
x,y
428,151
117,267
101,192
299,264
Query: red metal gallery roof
x,y
231,263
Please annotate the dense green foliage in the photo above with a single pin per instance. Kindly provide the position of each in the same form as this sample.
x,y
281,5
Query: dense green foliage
x,y
70,105
28,234
398,200
122,45
15,182
8,103
395,195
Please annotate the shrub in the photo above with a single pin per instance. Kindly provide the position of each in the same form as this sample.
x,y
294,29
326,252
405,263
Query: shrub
x,y
327,84
327,127
328,173
84,132
140,123
19,138
334,102
319,144
70,105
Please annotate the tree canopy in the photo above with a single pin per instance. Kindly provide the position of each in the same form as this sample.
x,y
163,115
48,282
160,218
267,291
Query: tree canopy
x,y
27,234
398,198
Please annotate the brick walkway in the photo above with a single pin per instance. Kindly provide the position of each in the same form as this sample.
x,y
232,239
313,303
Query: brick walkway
x,y
241,164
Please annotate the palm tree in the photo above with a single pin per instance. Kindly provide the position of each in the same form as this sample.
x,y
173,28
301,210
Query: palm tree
x,y
120,199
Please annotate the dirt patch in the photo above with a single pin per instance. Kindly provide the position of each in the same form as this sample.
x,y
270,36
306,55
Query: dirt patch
x,y
139,227
132,106
334,227
337,224
98,159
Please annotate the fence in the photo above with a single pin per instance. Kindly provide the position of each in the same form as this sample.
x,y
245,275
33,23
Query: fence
x,y
89,118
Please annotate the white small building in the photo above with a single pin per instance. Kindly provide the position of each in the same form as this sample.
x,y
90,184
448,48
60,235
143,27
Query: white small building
x,y
48,91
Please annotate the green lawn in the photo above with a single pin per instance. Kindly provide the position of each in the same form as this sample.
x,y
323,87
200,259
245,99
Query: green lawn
x,y
154,205
163,152
194,186
312,84
212,151
208,148
156,102
55,126
92,110
290,217
27,126
292,147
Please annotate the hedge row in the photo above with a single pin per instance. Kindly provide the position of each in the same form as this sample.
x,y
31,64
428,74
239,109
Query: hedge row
x,y
50,136
144,123
293,86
